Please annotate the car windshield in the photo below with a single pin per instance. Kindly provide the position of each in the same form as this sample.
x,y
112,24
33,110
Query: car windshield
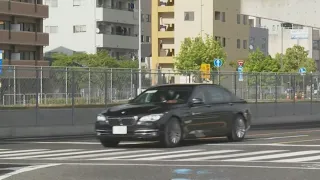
x,y
164,95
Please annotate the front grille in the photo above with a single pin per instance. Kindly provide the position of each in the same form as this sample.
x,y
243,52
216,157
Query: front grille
x,y
118,121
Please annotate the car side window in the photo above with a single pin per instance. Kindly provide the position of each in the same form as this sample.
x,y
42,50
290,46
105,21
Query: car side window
x,y
200,93
218,95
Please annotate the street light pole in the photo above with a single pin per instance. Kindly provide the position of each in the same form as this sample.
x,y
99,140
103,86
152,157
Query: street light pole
x,y
139,51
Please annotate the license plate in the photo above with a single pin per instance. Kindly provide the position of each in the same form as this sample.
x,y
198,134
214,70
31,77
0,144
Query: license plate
x,y
119,130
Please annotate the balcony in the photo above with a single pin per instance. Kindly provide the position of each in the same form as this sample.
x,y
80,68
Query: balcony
x,y
166,56
16,8
117,41
166,6
166,31
117,16
24,38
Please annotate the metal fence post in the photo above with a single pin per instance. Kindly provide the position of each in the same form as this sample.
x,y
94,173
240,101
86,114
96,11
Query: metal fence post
x,y
276,94
89,91
311,96
66,84
72,94
235,83
14,85
41,84
256,100
111,84
294,94
106,88
37,94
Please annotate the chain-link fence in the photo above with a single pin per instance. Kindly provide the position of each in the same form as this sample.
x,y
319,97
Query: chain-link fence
x,y
56,86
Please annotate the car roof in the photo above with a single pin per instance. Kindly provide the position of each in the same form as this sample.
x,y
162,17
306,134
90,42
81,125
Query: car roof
x,y
185,84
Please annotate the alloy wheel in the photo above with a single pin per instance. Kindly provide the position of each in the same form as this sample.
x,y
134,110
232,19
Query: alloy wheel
x,y
175,133
241,128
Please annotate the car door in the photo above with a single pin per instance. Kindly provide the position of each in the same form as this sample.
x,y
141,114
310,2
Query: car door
x,y
199,114
221,109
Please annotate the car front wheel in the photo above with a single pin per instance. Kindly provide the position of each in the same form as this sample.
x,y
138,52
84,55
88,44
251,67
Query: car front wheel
x,y
172,133
109,143
238,130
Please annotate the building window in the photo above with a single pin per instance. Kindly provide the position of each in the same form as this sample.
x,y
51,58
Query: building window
x,y
217,15
315,45
245,44
142,17
142,38
189,16
245,19
224,42
238,43
148,18
223,17
51,3
77,2
79,28
217,38
148,39
238,19
51,29
264,42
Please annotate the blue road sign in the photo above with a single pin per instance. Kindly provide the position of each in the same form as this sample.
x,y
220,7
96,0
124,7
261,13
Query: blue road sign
x,y
1,58
240,71
302,70
217,62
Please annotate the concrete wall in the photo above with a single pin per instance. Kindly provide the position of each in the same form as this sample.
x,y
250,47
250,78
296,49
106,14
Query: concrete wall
x,y
80,121
259,39
303,12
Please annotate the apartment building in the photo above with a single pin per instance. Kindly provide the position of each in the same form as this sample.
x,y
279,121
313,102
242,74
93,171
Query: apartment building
x,y
175,20
21,35
92,25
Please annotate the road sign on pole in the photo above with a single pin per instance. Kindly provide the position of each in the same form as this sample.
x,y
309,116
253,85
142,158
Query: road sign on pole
x,y
240,63
217,63
1,59
240,71
302,71
206,70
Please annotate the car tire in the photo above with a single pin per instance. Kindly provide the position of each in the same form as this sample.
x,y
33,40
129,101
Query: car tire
x,y
109,143
172,135
238,130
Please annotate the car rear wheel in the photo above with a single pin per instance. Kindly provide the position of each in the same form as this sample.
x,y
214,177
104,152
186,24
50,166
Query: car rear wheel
x,y
109,143
172,133
238,130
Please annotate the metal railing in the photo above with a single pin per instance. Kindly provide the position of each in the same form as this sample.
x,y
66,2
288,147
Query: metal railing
x,y
25,86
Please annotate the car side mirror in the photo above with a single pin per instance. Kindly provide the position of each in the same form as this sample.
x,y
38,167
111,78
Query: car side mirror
x,y
196,101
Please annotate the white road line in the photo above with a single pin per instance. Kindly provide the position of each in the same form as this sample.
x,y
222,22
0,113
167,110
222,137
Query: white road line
x,y
274,156
86,155
119,153
26,169
186,155
282,137
64,154
301,159
154,154
26,155
83,143
267,144
7,153
231,155
191,165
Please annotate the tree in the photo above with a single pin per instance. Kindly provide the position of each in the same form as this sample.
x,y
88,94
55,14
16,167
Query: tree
x,y
297,57
195,51
259,62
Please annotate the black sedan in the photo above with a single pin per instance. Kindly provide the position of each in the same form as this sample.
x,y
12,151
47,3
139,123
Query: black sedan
x,y
173,113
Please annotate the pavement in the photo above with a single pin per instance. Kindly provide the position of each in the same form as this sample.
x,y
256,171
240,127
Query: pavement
x,y
286,154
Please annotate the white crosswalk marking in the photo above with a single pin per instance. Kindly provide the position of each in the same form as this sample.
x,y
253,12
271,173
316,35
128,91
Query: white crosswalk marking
x,y
301,159
231,155
14,153
26,155
86,155
63,154
274,156
119,153
153,154
186,155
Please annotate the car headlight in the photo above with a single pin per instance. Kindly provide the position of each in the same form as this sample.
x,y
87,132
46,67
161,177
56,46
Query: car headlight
x,y
151,117
101,118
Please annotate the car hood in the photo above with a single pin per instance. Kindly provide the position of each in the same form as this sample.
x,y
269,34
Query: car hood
x,y
136,109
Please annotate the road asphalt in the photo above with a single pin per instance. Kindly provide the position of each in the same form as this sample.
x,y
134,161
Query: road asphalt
x,y
286,154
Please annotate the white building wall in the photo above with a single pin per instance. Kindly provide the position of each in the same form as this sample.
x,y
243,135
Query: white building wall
x,y
65,16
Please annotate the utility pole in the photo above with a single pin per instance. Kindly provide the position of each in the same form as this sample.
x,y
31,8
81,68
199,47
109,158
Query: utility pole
x,y
139,51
